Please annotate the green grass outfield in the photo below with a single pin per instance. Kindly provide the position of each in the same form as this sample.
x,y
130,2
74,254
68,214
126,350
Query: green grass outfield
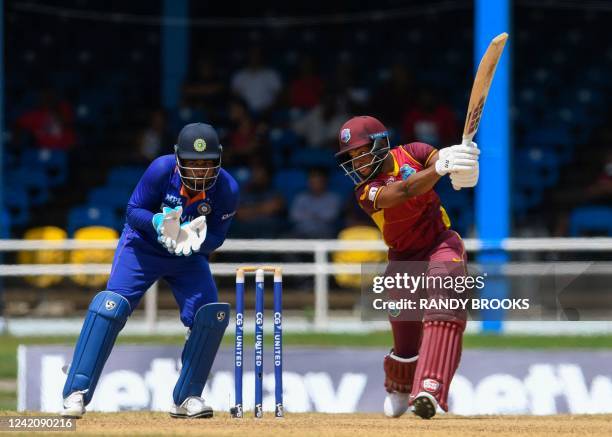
x,y
8,346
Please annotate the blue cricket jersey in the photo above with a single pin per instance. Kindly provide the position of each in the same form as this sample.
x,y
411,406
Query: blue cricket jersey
x,y
161,186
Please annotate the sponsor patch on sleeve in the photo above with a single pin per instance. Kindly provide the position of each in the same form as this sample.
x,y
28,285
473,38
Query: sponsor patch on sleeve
x,y
228,215
372,193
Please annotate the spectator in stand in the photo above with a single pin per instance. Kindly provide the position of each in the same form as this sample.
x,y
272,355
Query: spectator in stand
x,y
50,123
392,97
261,207
315,212
430,121
257,84
243,138
319,127
305,91
205,90
154,137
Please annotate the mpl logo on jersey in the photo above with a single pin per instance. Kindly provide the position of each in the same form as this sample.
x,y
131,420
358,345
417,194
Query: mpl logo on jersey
x,y
172,200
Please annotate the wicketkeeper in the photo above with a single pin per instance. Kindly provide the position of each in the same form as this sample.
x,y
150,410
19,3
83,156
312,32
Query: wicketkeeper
x,y
395,187
179,213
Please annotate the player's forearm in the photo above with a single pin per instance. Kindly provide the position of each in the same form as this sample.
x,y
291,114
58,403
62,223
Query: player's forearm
x,y
211,243
141,220
398,192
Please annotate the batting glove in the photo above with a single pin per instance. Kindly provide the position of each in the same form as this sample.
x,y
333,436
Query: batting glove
x,y
457,159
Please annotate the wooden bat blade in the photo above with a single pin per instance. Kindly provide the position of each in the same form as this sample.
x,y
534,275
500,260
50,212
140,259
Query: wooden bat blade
x,y
482,83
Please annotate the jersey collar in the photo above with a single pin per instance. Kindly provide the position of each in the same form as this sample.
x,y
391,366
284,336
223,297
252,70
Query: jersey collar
x,y
200,196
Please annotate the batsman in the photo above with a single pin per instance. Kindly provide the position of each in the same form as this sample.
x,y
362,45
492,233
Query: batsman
x,y
178,214
395,187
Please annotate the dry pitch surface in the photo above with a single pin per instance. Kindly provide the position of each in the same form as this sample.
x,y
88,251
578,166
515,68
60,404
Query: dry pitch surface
x,y
353,425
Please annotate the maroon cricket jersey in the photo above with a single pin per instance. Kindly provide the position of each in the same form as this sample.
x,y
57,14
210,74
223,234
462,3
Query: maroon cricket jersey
x,y
416,224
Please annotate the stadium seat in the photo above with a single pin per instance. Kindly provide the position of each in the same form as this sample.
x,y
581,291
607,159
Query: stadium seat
x,y
114,198
283,142
341,184
591,220
124,176
92,256
50,233
35,182
81,216
54,163
357,256
289,183
309,157
183,116
537,167
17,202
5,224
241,174
548,136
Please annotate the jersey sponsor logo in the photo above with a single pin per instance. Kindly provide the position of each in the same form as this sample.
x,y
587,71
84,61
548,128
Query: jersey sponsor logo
x,y
204,208
372,193
199,145
171,199
431,385
406,171
345,135
228,215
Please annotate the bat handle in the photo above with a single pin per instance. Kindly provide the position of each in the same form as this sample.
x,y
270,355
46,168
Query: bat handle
x,y
467,141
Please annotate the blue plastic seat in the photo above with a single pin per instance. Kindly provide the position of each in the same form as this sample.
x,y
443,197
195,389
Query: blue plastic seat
x,y
35,182
109,197
341,184
591,220
81,216
5,224
241,174
289,183
283,138
306,157
17,203
548,136
124,176
537,166
53,162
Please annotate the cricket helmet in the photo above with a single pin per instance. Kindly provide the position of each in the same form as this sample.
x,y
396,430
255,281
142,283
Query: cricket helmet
x,y
198,141
358,132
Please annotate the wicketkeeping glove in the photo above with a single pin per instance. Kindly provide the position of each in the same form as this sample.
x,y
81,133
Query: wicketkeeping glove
x,y
191,236
167,224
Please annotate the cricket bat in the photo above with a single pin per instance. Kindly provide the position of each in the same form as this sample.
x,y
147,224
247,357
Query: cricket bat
x,y
481,86
482,83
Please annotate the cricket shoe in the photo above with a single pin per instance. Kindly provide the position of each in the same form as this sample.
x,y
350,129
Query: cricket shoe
x,y
395,404
192,408
74,405
425,405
